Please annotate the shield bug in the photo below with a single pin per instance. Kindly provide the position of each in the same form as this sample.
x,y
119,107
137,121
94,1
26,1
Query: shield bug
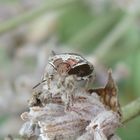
x,y
64,73
72,64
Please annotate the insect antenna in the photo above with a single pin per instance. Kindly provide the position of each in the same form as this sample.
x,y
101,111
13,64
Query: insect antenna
x,y
53,53
39,84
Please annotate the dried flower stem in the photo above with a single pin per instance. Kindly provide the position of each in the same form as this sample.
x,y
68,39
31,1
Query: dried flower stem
x,y
29,16
131,110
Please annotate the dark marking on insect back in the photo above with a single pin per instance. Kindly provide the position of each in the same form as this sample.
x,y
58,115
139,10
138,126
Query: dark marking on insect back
x,y
81,71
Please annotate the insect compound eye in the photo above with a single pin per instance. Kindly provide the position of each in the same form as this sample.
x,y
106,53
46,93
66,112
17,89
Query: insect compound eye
x,y
81,70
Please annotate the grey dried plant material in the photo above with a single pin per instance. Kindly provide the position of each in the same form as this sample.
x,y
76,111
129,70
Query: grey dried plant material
x,y
30,130
64,108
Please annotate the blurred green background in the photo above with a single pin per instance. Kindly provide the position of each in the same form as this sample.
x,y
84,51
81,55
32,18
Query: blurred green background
x,y
106,32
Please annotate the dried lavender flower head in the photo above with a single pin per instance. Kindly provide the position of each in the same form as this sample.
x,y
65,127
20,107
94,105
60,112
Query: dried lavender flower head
x,y
64,109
